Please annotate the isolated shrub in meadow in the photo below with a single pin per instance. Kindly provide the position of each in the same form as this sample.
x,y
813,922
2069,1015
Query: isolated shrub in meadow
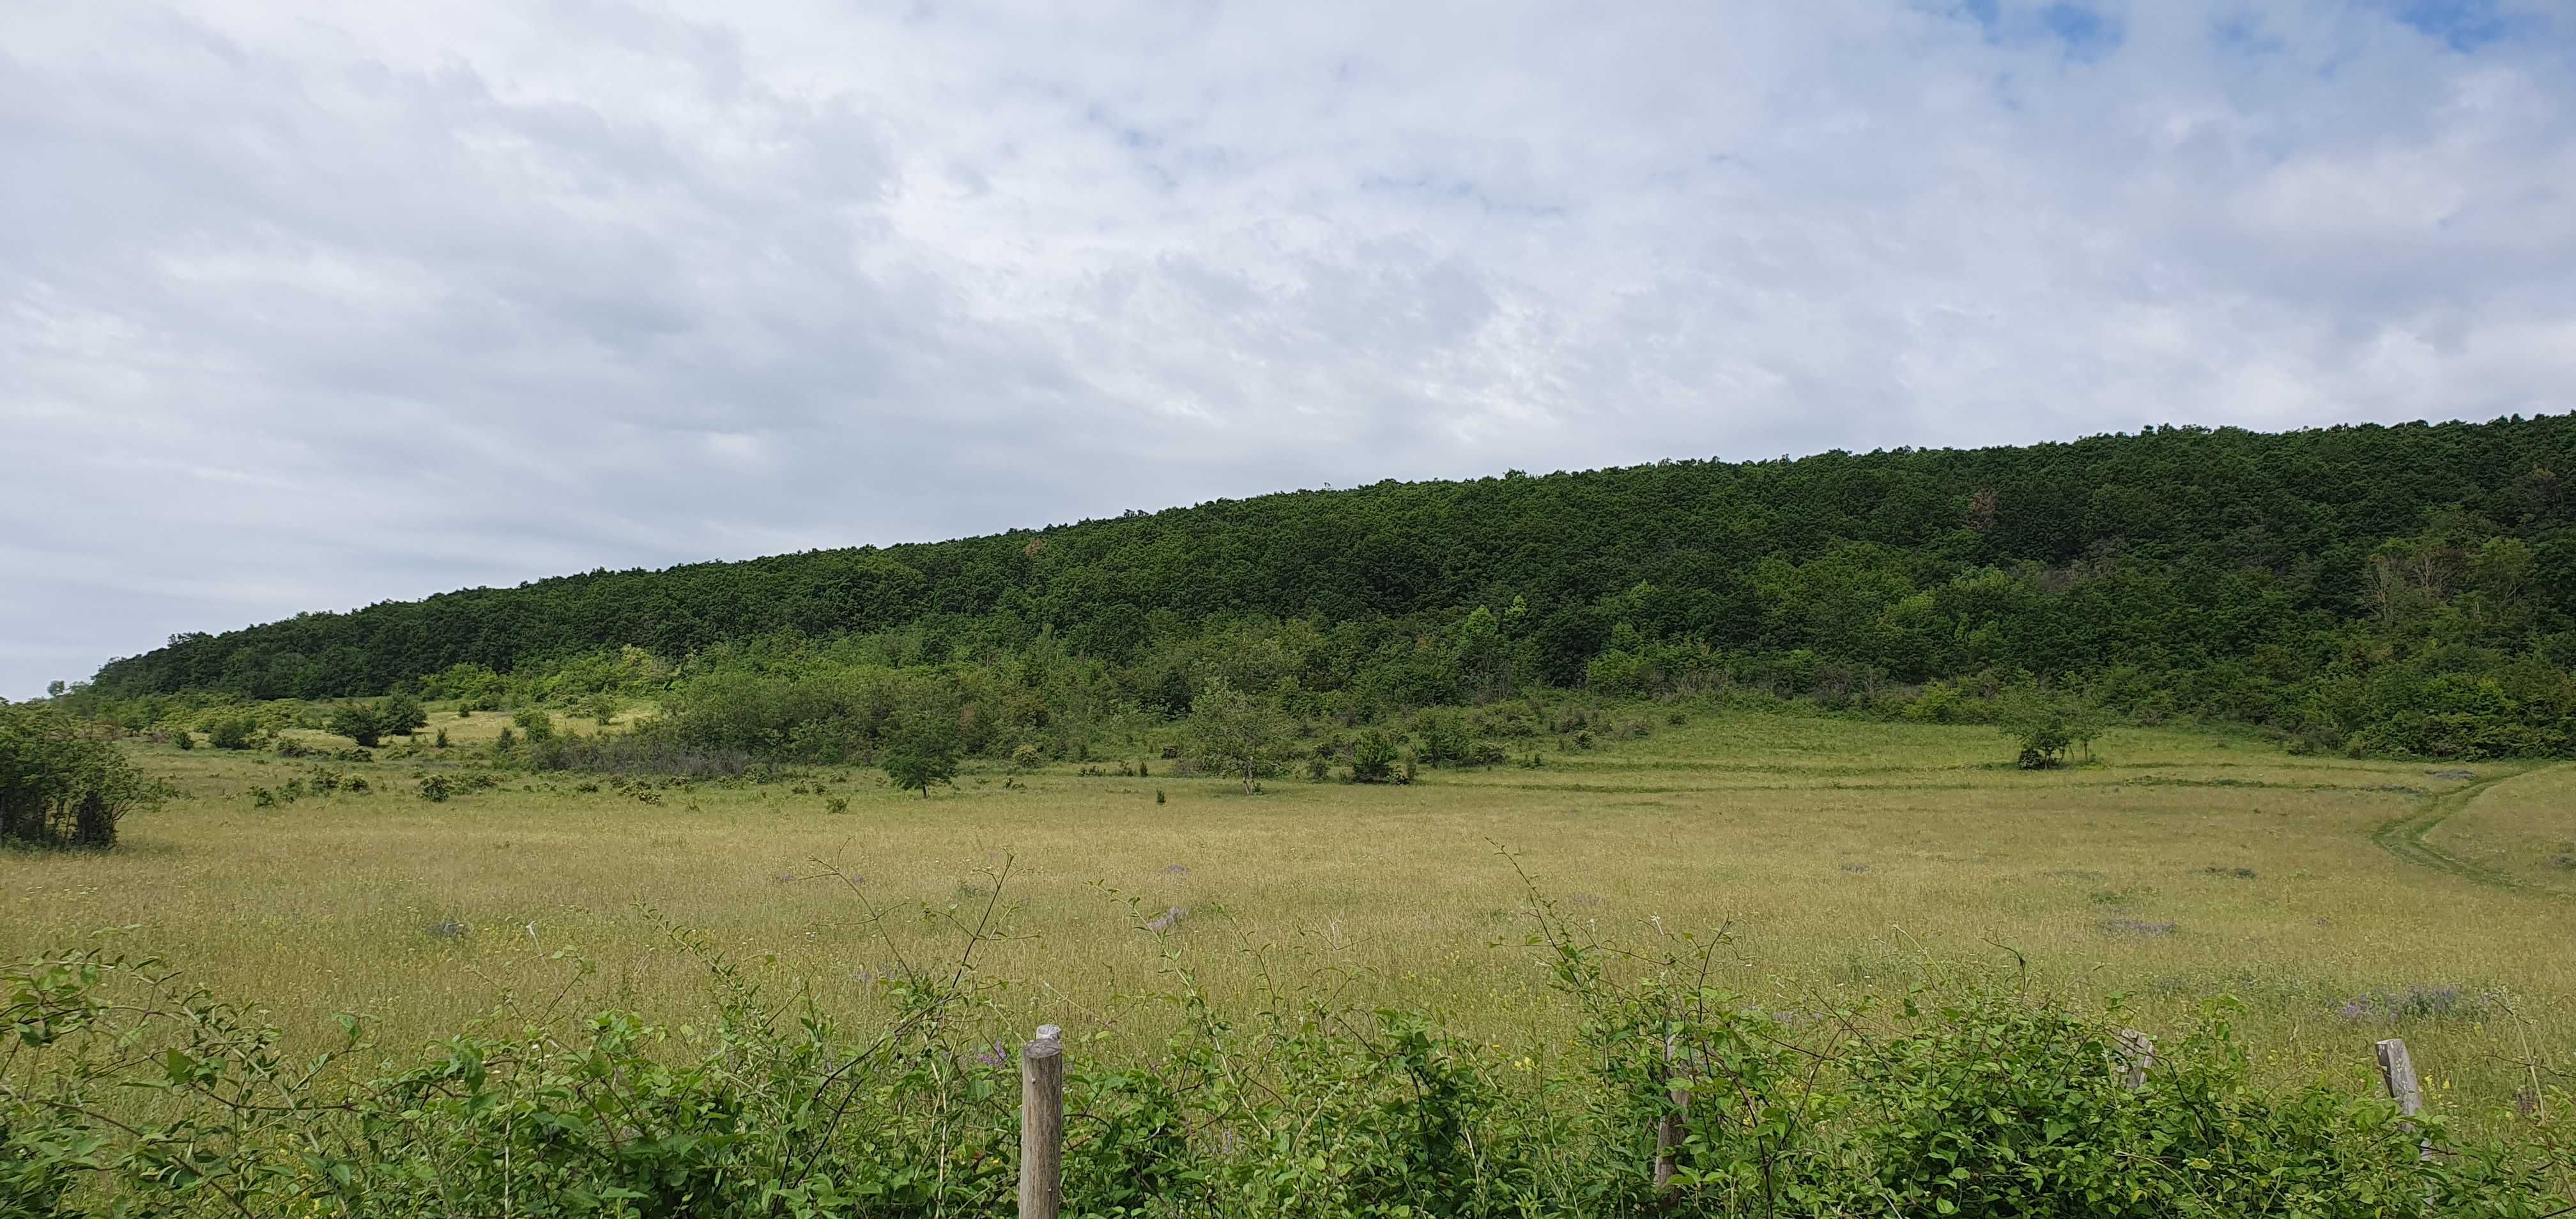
x,y
1373,758
534,721
400,715
61,788
232,732
358,722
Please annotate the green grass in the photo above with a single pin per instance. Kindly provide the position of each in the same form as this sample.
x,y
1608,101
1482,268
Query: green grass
x,y
1844,856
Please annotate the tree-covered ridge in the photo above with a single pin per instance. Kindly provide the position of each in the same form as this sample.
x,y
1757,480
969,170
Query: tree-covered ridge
x,y
2193,563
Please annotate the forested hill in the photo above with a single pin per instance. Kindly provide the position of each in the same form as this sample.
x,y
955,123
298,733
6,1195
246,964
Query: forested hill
x,y
2174,551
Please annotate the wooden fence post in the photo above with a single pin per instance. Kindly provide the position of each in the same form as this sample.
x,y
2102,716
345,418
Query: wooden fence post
x,y
2138,1051
1042,1125
2397,1070
1668,1132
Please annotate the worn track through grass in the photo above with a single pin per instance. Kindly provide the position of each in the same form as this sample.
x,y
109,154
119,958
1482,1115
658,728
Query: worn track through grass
x,y
2404,837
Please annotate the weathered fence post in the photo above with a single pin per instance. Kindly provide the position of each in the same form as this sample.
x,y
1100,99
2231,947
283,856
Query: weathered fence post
x,y
2138,1051
2397,1070
1042,1125
1668,1132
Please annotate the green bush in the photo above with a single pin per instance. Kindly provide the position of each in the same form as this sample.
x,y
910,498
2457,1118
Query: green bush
x,y
1445,741
1373,758
62,788
534,721
359,723
399,715
232,732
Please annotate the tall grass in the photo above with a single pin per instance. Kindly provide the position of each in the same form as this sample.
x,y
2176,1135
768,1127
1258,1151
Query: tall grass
x,y
126,1087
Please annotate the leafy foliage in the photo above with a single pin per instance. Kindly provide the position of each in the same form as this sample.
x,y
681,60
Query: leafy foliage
x,y
921,756
232,732
60,787
1237,734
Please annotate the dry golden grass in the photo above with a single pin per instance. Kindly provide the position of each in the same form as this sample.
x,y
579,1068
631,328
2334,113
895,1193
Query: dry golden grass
x,y
1845,856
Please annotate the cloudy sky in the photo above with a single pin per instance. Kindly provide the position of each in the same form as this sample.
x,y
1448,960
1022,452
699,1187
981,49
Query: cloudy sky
x,y
309,305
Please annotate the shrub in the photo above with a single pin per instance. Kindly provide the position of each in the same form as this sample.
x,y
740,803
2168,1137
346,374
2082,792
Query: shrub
x,y
359,723
60,788
399,714
1373,758
1444,738
232,732
535,723
2047,725
436,789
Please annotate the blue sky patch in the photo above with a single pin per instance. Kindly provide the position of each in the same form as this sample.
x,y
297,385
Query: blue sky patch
x,y
2466,25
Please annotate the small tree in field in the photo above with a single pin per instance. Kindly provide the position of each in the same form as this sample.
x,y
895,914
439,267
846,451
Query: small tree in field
x,y
401,715
358,723
2048,725
1234,733
923,754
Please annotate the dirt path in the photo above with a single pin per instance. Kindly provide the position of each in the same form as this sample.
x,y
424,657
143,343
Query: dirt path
x,y
2404,836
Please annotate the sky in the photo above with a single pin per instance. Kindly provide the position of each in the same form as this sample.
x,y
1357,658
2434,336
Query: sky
x,y
305,305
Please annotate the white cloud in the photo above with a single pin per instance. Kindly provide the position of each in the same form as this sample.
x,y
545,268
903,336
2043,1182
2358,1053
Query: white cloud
x,y
306,305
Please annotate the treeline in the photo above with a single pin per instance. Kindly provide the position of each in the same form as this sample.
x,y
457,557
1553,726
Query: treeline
x,y
2405,589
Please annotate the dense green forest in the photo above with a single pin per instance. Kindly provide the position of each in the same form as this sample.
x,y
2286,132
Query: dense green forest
x,y
2402,589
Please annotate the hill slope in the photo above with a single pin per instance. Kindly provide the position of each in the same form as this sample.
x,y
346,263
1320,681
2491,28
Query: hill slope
x,y
2187,555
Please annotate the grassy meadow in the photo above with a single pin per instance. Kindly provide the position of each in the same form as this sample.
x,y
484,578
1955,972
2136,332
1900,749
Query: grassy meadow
x,y
2340,901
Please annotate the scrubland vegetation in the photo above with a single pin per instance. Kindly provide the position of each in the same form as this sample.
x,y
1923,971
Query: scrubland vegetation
x,y
1373,846
1324,998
